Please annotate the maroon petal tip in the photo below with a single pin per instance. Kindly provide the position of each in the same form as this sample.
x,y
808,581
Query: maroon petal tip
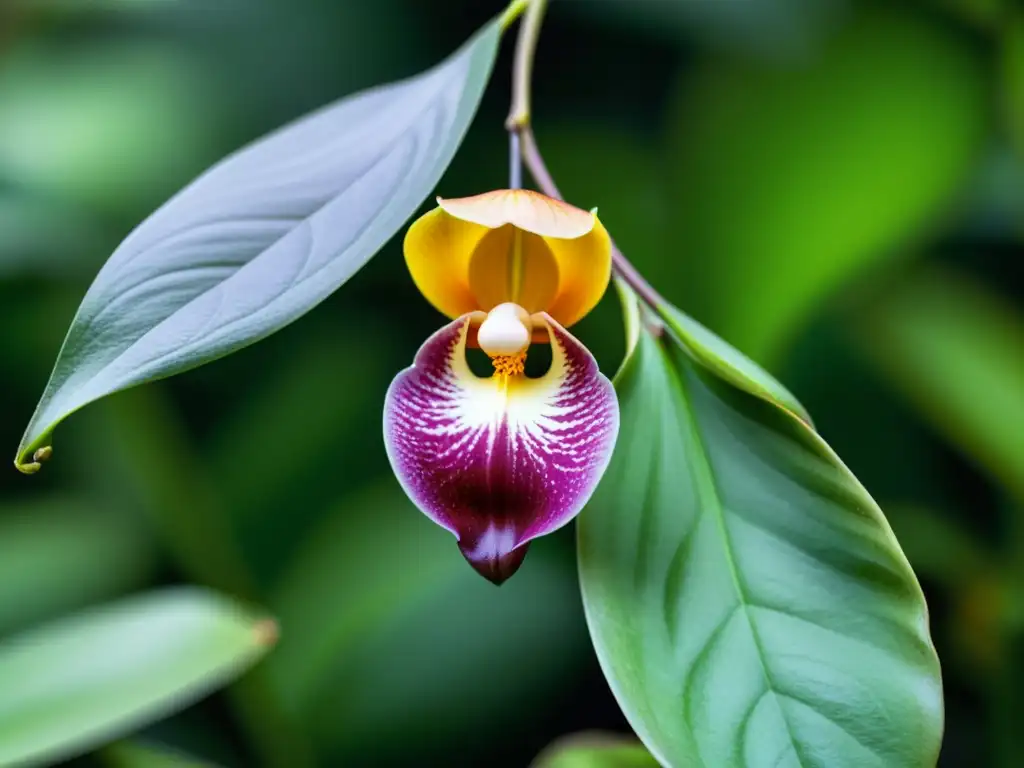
x,y
493,564
499,462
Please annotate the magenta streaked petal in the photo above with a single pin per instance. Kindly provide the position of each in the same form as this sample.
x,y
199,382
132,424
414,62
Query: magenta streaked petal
x,y
499,467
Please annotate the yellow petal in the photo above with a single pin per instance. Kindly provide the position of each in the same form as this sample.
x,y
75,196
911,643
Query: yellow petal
x,y
510,265
518,246
584,269
438,249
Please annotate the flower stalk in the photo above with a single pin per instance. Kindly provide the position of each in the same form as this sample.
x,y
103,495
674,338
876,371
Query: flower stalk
x,y
521,137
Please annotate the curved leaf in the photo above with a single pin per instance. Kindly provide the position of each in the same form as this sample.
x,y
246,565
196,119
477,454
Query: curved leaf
x,y
729,363
79,682
263,236
748,602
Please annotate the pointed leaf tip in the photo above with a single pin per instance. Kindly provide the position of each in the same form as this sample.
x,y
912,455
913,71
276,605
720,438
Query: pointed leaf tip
x,y
266,632
79,682
264,236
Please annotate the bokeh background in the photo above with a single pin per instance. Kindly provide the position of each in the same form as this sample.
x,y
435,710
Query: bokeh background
x,y
836,187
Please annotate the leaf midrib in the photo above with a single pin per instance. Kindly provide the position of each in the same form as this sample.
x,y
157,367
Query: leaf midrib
x,y
708,491
54,386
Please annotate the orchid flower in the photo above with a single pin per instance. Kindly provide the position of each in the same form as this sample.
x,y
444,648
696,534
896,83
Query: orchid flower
x,y
499,461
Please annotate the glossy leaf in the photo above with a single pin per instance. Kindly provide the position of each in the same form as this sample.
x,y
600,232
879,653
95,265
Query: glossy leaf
x,y
729,363
595,750
954,350
263,237
791,179
82,681
749,604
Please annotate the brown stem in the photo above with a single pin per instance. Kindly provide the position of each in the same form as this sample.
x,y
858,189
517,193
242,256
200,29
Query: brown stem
x,y
520,133
622,266
522,68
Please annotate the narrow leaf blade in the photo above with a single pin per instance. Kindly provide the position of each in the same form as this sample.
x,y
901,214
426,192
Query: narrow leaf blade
x,y
749,604
79,682
263,237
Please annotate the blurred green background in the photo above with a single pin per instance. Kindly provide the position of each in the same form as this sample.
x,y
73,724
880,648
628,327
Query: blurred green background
x,y
835,187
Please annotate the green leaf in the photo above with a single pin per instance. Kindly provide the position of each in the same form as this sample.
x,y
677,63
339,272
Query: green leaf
x,y
953,349
595,750
82,681
749,604
729,363
263,237
59,554
790,180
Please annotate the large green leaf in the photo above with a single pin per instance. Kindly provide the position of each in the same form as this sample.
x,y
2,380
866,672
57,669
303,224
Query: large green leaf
x,y
746,597
263,236
954,349
79,682
790,179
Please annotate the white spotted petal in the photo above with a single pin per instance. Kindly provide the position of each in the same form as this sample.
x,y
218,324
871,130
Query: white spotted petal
x,y
499,461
